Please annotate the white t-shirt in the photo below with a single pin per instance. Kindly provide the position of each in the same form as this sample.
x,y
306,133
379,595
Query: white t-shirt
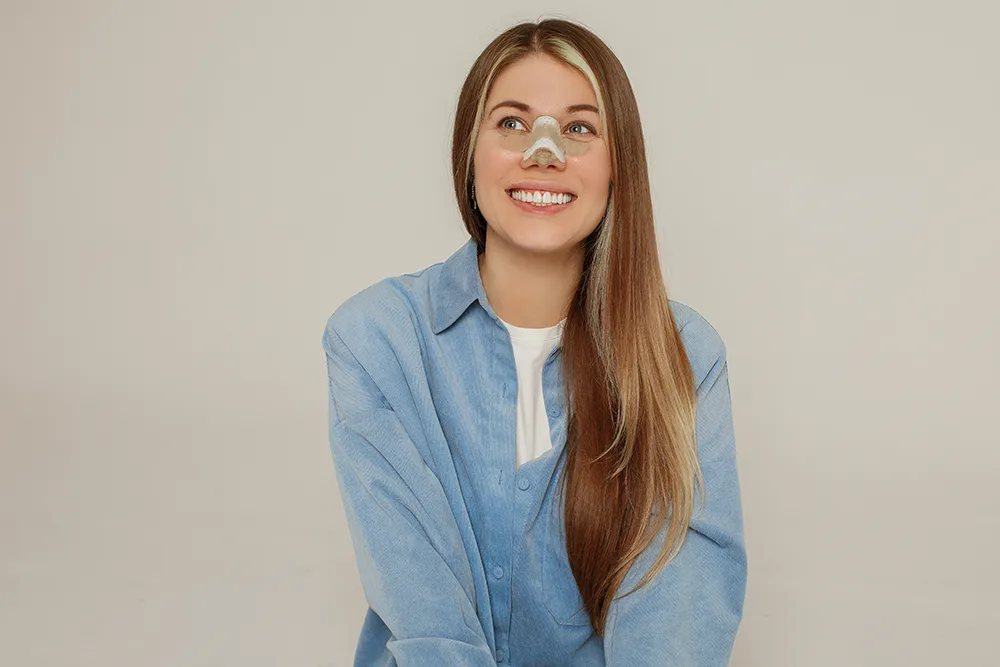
x,y
531,348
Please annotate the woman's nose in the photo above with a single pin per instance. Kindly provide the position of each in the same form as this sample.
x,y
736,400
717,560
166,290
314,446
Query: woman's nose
x,y
543,157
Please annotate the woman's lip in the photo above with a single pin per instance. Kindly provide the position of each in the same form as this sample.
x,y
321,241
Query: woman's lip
x,y
539,210
542,186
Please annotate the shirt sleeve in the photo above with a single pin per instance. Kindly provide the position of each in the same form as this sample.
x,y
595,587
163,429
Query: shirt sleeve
x,y
688,615
411,558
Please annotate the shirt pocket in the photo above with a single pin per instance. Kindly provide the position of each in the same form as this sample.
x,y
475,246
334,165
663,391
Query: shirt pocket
x,y
560,592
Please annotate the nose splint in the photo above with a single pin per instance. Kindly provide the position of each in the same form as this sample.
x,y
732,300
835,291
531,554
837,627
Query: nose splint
x,y
545,143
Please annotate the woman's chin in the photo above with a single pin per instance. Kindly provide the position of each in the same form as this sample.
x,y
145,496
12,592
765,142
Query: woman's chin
x,y
531,238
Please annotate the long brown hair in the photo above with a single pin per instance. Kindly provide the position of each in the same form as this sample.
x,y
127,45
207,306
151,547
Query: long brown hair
x,y
631,454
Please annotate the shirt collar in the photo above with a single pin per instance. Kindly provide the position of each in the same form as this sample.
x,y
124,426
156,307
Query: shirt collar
x,y
457,285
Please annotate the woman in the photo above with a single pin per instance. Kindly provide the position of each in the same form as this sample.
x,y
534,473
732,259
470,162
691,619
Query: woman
x,y
494,520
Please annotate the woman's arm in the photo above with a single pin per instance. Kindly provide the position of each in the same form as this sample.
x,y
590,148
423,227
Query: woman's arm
x,y
411,558
689,614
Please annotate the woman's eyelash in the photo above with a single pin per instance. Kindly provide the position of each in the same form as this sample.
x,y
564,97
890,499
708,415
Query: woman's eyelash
x,y
576,122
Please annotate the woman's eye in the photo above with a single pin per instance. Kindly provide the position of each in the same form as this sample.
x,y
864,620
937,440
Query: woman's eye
x,y
589,128
503,123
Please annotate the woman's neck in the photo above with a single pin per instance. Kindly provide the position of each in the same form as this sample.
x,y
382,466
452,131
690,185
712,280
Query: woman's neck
x,y
530,290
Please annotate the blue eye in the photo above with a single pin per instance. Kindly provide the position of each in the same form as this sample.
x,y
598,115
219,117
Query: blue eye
x,y
589,128
504,120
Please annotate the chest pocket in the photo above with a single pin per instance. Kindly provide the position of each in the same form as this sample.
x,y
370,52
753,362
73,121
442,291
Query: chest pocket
x,y
561,595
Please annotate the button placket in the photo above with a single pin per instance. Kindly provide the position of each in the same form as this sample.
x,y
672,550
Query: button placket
x,y
499,582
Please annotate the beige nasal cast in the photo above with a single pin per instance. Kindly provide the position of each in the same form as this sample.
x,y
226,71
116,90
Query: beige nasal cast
x,y
545,143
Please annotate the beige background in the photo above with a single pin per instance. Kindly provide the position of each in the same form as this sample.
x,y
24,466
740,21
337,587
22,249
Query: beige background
x,y
186,193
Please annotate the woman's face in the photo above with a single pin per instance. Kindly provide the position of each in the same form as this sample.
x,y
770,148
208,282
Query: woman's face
x,y
545,86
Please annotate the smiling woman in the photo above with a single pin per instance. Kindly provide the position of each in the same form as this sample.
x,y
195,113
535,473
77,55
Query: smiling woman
x,y
521,432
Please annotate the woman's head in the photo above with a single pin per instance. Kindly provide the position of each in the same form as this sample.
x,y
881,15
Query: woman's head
x,y
551,68
539,85
631,466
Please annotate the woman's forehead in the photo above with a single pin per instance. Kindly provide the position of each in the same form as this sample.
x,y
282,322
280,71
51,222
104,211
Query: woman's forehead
x,y
543,85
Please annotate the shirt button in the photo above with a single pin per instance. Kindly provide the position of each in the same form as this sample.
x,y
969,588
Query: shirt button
x,y
554,411
498,572
523,483
500,656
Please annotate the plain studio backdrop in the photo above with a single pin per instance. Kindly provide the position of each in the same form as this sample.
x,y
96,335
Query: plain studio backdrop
x,y
189,189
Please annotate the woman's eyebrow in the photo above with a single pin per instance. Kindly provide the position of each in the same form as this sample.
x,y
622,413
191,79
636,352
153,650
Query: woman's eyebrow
x,y
573,108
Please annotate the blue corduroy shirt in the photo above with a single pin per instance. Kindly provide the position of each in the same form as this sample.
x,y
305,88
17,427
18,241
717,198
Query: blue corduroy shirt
x,y
462,554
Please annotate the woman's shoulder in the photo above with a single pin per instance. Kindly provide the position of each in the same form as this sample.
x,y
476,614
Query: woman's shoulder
x,y
383,313
702,341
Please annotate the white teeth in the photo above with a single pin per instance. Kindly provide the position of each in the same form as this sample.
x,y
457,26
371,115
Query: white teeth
x,y
541,198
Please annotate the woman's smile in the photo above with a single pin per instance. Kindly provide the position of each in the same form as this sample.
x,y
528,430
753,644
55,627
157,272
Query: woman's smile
x,y
540,203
